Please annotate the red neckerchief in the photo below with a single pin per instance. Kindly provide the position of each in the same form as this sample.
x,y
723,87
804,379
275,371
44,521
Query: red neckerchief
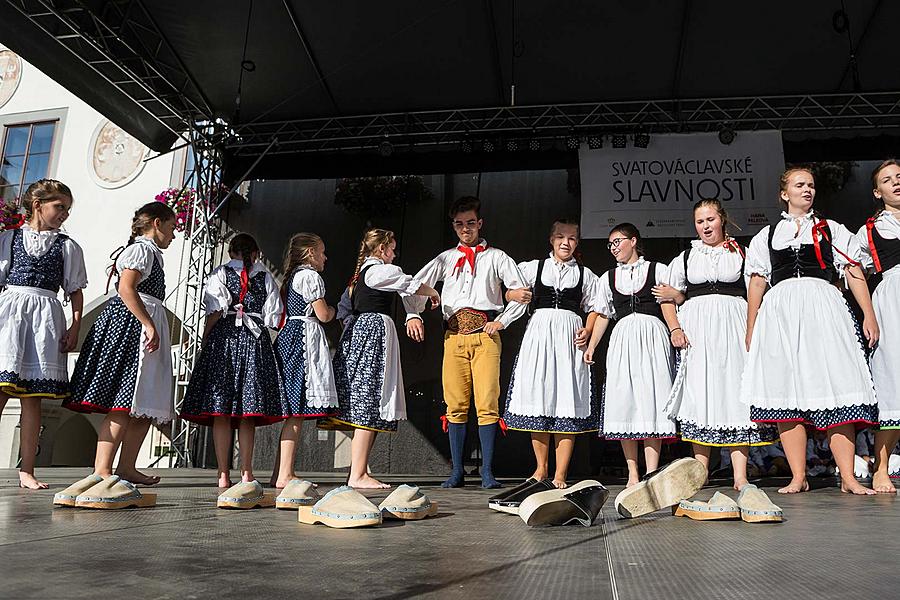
x,y
731,245
819,229
468,256
870,225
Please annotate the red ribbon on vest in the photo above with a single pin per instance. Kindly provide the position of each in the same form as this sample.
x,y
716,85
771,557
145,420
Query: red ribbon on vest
x,y
819,229
467,257
732,246
870,225
245,285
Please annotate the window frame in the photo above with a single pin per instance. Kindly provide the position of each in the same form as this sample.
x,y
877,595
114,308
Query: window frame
x,y
32,118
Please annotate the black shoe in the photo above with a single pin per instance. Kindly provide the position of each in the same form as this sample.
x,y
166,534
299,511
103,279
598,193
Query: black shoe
x,y
579,504
507,493
511,503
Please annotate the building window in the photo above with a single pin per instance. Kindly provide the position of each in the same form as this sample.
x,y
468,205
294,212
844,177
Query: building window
x,y
25,157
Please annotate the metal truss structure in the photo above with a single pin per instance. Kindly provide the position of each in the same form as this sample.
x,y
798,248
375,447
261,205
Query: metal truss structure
x,y
443,128
120,41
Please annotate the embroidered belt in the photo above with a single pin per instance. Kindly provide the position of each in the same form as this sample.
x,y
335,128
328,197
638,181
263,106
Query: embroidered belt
x,y
469,320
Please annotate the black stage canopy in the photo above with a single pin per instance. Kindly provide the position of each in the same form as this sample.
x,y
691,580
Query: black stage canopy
x,y
419,86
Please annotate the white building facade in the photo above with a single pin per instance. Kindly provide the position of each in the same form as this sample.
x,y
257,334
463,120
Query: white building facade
x,y
45,131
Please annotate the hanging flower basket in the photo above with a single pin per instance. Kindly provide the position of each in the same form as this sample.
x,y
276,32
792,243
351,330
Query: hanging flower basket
x,y
379,196
182,201
10,217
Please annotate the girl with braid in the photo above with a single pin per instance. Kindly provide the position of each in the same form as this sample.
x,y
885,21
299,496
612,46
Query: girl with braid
x,y
125,367
236,382
367,362
36,261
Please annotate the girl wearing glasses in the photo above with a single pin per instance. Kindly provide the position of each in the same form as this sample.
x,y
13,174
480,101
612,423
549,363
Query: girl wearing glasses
x,y
710,329
807,364
639,358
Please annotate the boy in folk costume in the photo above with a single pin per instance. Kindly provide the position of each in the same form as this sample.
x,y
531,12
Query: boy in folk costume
x,y
474,313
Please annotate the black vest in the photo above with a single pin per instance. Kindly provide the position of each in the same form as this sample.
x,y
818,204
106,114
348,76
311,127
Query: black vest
x,y
548,297
369,300
885,252
726,288
802,262
642,301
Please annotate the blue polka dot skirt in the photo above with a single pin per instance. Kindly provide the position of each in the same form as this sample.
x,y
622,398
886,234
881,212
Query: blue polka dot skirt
x,y
359,368
290,352
860,415
236,376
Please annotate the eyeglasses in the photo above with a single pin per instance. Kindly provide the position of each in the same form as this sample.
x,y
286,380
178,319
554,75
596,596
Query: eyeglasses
x,y
614,243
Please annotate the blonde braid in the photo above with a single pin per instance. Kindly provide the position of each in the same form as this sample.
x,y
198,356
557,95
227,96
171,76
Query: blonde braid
x,y
371,241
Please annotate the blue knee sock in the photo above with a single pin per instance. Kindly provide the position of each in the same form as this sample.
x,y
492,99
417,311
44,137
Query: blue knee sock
x,y
457,434
487,434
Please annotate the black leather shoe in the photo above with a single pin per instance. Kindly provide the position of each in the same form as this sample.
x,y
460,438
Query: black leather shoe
x,y
511,503
579,504
507,493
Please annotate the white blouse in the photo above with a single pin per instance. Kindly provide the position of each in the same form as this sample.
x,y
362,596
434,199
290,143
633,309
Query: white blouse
x,y
310,285
705,264
140,256
480,290
37,243
389,277
888,227
787,235
217,296
562,276
630,278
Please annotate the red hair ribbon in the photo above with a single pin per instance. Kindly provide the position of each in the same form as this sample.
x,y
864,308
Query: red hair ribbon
x,y
819,229
870,225
444,424
732,246
467,257
245,284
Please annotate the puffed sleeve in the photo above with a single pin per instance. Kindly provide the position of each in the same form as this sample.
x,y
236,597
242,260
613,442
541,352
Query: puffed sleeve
x,y
603,300
430,274
6,238
758,261
345,306
661,275
273,307
528,269
308,284
851,253
137,257
862,238
677,276
216,296
590,287
74,271
391,278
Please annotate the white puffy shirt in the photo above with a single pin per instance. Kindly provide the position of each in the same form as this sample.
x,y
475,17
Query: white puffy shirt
x,y
630,278
562,276
310,285
217,296
705,264
888,227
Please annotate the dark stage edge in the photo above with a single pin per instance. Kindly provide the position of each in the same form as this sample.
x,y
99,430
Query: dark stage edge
x,y
186,548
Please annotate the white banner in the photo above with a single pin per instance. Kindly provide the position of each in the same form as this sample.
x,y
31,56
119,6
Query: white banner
x,y
655,188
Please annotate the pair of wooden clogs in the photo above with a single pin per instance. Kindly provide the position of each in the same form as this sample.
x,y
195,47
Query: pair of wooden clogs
x,y
752,506
344,507
104,493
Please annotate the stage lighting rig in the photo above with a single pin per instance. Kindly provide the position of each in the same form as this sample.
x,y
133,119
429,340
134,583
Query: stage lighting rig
x,y
641,139
619,140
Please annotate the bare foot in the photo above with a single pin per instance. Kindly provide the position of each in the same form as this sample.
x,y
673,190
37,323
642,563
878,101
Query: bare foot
x,y
795,487
247,477
280,484
882,484
738,484
224,480
137,477
539,475
367,482
854,487
560,483
27,481
631,482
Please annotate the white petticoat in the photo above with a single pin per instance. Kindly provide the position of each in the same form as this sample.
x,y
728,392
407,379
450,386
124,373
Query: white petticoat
x,y
638,379
805,353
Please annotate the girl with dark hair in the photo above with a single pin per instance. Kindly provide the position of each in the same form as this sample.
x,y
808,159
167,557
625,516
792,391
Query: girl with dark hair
x,y
552,391
807,364
125,365
880,240
236,382
709,330
36,261
639,358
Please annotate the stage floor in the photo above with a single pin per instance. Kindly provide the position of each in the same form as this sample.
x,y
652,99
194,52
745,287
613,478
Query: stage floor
x,y
186,548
